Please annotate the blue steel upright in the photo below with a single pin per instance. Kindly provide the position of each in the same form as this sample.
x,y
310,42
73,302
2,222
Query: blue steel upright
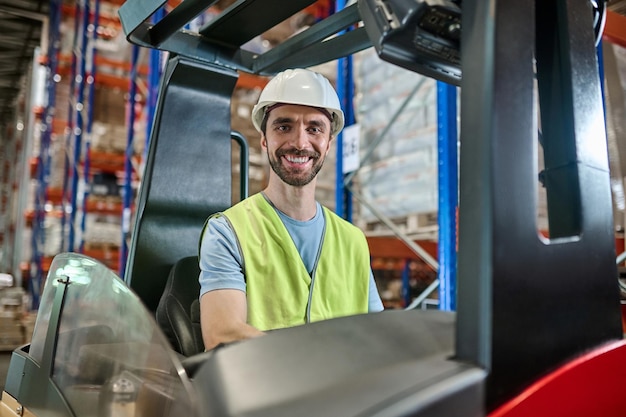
x,y
448,192
89,122
127,196
79,108
345,91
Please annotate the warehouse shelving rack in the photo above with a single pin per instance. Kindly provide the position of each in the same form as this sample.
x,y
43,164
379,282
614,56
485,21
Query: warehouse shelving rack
x,y
95,22
72,202
445,268
39,264
77,119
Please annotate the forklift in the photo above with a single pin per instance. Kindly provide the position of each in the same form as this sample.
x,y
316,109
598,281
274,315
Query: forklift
x,y
538,326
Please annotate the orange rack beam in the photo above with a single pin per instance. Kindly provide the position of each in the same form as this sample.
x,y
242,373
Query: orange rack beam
x,y
615,28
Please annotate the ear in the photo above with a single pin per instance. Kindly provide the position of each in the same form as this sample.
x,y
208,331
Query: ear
x,y
328,144
263,141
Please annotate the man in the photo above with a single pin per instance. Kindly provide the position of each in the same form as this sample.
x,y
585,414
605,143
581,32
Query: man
x,y
278,258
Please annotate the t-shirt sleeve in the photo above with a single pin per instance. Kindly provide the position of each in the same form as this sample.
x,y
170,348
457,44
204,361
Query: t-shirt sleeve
x,y
220,260
375,303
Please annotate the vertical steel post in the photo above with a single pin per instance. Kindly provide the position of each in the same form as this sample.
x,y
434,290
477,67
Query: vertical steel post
x,y
43,158
74,129
448,193
91,82
154,76
127,193
345,91
406,283
528,303
69,131
80,121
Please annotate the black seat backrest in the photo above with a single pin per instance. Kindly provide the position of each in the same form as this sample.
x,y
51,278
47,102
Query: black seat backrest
x,y
188,174
178,311
188,177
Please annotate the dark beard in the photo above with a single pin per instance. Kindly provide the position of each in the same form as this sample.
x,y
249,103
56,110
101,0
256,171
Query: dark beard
x,y
296,180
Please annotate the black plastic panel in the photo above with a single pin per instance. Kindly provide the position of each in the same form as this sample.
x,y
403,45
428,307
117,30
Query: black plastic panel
x,y
419,35
188,172
245,20
526,304
394,363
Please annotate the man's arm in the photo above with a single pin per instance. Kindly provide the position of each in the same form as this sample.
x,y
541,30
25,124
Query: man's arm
x,y
223,315
223,303
375,303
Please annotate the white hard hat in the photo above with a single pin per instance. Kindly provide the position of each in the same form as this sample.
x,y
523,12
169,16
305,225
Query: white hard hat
x,y
303,87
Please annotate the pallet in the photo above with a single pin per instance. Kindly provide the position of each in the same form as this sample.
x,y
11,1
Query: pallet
x,y
10,347
416,225
101,246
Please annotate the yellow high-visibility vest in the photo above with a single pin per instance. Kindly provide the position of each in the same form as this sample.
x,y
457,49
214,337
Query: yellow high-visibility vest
x,y
280,291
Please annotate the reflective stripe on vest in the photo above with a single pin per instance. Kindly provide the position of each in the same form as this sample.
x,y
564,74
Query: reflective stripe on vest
x,y
280,291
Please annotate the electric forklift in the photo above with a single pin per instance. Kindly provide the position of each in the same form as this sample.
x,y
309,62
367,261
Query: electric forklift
x,y
538,327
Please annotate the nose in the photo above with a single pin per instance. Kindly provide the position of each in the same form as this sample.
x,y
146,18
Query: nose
x,y
301,138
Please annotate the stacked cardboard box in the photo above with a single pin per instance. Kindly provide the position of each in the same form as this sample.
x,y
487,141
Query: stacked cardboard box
x,y
13,306
397,113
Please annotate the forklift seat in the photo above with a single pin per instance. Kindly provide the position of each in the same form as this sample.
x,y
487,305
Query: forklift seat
x,y
178,311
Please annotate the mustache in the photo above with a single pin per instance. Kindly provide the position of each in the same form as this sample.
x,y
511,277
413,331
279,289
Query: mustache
x,y
297,152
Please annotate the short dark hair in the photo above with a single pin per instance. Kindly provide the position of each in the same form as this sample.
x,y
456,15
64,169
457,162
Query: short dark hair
x,y
264,123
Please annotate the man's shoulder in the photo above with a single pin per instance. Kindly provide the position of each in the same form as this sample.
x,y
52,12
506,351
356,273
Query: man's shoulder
x,y
245,203
221,220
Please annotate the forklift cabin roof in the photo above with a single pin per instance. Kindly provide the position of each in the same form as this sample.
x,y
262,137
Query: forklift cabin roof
x,y
220,40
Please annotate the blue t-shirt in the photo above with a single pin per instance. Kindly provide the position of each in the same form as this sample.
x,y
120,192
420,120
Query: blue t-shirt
x,y
220,259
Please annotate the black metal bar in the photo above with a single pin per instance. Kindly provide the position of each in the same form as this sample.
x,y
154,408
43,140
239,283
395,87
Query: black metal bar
x,y
219,42
194,47
134,13
317,33
321,52
527,304
243,163
54,324
177,19
474,286
246,19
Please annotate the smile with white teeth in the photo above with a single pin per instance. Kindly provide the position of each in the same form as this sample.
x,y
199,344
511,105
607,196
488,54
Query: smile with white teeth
x,y
297,159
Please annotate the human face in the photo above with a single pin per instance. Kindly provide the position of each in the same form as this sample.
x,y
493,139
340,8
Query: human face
x,y
297,140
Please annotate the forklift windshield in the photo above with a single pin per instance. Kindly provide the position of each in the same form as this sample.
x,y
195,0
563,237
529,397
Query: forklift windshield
x,y
101,349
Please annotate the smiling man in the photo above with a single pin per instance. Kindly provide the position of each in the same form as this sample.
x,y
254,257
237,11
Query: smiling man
x,y
279,258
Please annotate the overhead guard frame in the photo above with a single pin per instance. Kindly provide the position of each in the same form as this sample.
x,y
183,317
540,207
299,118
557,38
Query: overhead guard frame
x,y
221,40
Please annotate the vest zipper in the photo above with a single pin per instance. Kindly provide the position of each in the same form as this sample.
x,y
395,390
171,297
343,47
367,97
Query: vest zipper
x,y
317,259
